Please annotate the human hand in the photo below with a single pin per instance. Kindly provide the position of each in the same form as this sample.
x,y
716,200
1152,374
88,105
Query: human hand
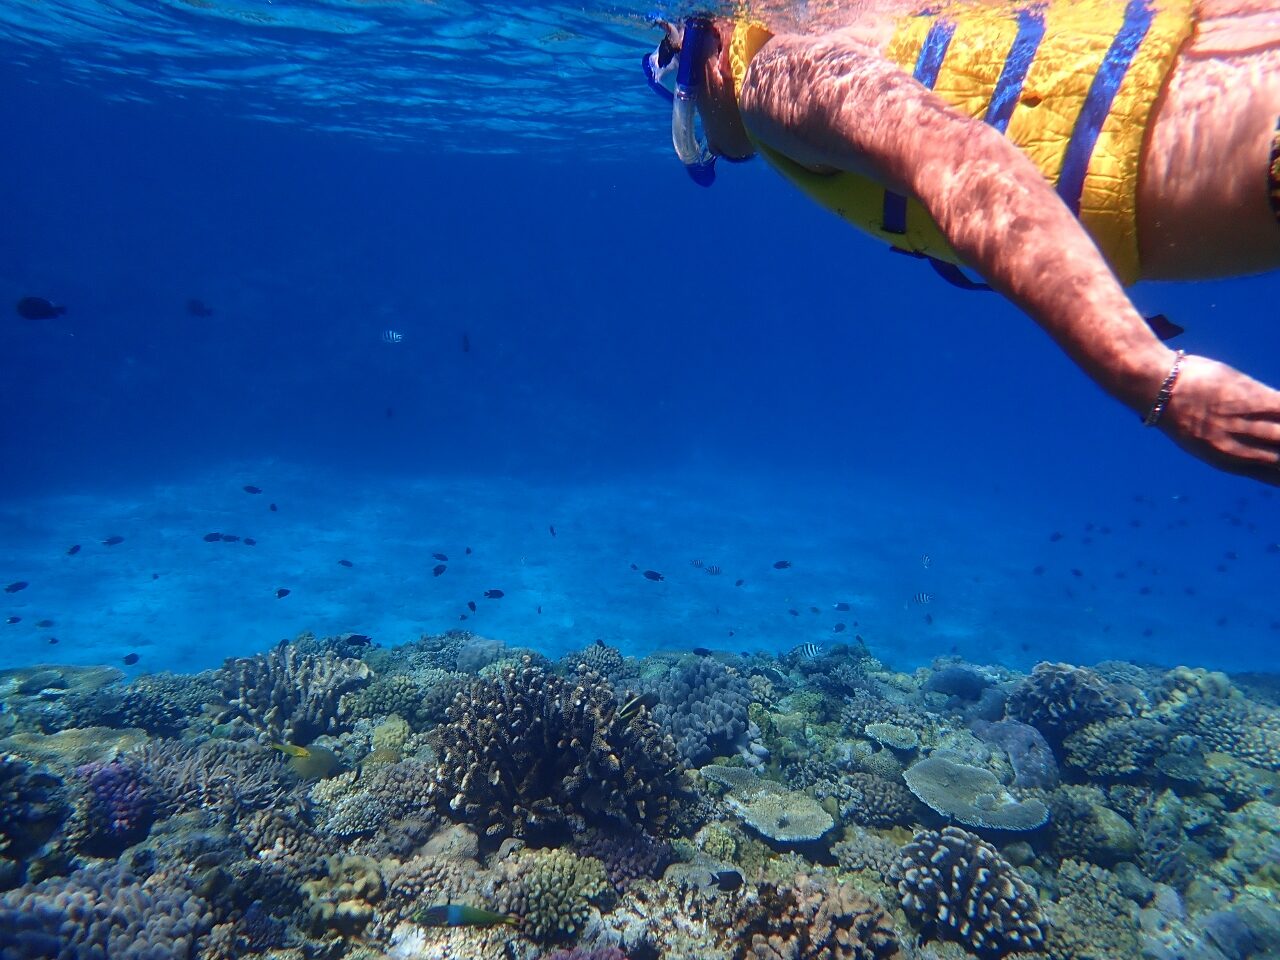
x,y
1226,418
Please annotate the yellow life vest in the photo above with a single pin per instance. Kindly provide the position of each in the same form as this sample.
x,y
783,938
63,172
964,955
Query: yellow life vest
x,y
1071,82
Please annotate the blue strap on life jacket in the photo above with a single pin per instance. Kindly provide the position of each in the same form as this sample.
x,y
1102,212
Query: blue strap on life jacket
x,y
1013,75
1097,102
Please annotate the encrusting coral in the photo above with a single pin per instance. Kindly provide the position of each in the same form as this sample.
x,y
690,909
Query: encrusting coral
x,y
530,751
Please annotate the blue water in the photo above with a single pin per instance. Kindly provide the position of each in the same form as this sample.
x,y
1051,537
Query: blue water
x,y
663,373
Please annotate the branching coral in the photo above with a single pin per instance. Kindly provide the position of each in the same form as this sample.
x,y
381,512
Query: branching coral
x,y
958,887
550,891
704,705
814,919
225,778
530,750
289,696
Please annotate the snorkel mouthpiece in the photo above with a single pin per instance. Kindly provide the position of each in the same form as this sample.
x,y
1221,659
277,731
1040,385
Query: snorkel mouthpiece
x,y
690,148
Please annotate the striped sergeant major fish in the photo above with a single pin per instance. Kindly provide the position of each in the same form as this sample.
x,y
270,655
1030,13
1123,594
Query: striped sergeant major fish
x,y
808,651
460,915
392,336
923,598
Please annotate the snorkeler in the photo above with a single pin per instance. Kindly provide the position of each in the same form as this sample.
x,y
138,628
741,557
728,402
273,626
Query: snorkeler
x,y
1060,149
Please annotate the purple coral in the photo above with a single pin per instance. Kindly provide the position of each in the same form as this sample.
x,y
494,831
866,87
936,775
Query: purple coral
x,y
117,806
627,855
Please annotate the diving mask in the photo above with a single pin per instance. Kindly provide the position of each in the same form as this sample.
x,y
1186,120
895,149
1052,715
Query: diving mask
x,y
686,55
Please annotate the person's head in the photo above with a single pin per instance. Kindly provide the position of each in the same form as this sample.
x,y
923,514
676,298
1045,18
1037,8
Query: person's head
x,y
697,52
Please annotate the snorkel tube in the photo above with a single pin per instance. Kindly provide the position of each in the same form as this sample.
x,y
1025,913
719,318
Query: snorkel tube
x,y
690,148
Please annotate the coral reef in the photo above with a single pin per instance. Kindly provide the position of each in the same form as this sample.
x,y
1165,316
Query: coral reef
x,y
223,778
972,796
530,751
627,855
704,706
1029,753
958,887
551,891
32,808
1058,699
115,806
776,813
815,919
868,800
103,912
288,696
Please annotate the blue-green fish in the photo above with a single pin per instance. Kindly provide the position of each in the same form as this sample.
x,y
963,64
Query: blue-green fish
x,y
459,915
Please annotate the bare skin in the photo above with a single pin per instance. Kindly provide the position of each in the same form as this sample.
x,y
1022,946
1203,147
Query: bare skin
x,y
834,102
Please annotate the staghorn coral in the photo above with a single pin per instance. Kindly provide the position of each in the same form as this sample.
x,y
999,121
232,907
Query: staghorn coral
x,y
288,696
1058,699
972,796
958,887
550,891
530,750
814,919
224,778
704,706
103,912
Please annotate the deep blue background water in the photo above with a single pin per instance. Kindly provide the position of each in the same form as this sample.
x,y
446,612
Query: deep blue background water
x,y
735,351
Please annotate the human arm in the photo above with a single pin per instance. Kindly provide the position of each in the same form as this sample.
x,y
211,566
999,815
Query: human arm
x,y
828,103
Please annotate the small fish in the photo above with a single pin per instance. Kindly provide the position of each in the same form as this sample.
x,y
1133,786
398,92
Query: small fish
x,y
807,651
928,618
695,563
471,605
392,336
441,557
459,915
923,598
738,583
130,659
600,643
551,528
1055,536
727,880
291,749
462,616
634,567
73,550
197,308
230,538
359,640
212,537
467,551
466,343
250,488
438,569
539,608
494,594
38,308
701,652
44,624
1077,572
712,569
926,561
842,606
53,639
282,593
653,575
250,542
781,564
16,586
14,620
273,508
794,612
112,541
632,706
838,628
345,563
814,610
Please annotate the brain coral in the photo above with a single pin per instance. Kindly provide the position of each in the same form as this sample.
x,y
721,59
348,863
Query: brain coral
x,y
530,750
958,887
704,706
1058,699
103,912
291,697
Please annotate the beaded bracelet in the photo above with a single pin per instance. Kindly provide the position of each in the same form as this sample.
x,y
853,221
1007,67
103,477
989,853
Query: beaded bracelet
x,y
1166,391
